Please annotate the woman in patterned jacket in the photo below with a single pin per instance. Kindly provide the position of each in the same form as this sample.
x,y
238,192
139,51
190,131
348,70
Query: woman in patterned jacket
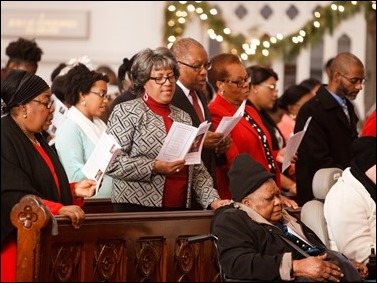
x,y
140,181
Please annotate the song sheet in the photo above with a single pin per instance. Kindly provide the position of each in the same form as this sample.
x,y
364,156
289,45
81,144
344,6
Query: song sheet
x,y
102,156
227,124
292,145
184,142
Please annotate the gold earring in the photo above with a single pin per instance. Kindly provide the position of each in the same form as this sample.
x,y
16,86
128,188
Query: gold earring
x,y
83,102
25,115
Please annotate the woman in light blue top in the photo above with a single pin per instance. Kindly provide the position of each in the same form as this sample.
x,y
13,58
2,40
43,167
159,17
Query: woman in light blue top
x,y
79,133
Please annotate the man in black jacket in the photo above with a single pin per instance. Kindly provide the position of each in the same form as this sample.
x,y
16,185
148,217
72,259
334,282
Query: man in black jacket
x,y
193,66
333,127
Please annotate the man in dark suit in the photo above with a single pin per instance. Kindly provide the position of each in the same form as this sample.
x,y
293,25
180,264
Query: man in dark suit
x,y
193,62
258,240
332,129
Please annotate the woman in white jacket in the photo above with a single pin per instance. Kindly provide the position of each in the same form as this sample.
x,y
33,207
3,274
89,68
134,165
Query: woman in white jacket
x,y
350,205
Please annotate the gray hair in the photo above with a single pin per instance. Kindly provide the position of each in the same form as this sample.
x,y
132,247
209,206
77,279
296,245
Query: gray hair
x,y
147,60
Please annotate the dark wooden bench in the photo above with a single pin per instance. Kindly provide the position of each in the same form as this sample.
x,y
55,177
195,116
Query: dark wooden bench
x,y
116,247
100,205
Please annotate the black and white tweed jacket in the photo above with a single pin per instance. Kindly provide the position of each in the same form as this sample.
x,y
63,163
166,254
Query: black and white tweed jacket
x,y
141,134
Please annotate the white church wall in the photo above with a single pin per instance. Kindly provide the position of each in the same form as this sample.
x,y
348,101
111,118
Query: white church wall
x,y
119,29
116,30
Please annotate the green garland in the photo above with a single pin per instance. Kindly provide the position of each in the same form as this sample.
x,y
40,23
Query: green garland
x,y
179,13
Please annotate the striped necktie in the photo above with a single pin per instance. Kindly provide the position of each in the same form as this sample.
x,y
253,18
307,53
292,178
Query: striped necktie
x,y
345,109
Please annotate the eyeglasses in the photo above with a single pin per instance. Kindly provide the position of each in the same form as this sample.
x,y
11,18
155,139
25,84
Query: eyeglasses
x,y
207,66
272,87
162,80
239,83
101,94
48,105
354,80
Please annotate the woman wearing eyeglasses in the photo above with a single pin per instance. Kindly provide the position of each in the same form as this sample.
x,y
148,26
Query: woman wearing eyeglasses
x,y
28,164
77,136
232,83
141,182
263,95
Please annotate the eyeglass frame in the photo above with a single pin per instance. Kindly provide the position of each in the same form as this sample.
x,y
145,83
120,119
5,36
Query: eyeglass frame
x,y
101,94
169,78
48,105
207,66
270,86
353,81
239,83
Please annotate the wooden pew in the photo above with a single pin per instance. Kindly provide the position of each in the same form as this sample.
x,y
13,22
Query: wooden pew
x,y
100,205
116,247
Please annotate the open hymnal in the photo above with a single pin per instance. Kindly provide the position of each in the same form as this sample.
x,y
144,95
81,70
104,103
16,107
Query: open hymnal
x,y
227,124
184,142
59,115
292,145
102,156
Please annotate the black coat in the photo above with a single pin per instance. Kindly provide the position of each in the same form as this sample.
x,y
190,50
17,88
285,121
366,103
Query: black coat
x,y
24,171
251,250
327,141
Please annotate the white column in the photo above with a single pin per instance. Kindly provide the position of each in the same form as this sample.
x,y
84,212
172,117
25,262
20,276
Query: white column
x,y
278,67
303,65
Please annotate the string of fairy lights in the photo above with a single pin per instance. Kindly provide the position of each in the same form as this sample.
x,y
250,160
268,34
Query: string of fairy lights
x,y
325,19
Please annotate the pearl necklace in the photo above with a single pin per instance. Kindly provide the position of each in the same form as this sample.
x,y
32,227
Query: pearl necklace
x,y
32,139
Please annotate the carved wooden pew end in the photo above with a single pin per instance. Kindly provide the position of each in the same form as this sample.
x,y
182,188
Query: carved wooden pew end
x,y
116,247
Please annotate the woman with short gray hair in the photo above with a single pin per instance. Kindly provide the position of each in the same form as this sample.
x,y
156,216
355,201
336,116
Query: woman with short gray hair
x,y
159,59
141,182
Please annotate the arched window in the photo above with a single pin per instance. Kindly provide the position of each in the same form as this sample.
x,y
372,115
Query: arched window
x,y
344,43
316,61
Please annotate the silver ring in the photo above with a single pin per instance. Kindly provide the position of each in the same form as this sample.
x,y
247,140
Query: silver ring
x,y
177,170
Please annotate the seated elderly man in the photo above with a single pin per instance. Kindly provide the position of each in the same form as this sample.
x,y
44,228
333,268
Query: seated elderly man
x,y
251,241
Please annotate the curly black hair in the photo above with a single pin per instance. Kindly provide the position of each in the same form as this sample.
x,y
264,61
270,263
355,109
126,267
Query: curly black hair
x,y
124,70
57,70
80,80
24,50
